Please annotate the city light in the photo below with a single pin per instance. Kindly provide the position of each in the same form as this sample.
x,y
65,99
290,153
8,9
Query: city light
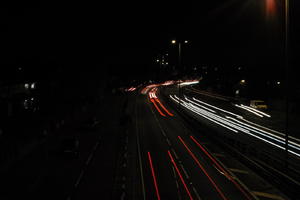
x,y
173,41
32,86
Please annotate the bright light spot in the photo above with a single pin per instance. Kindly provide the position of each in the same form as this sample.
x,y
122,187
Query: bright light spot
x,y
32,86
189,82
243,81
270,8
186,41
278,83
173,41
26,85
157,60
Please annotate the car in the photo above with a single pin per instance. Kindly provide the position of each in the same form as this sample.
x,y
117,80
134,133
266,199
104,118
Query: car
x,y
258,104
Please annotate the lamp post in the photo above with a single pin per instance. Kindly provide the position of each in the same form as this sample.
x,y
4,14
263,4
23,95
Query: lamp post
x,y
286,43
179,63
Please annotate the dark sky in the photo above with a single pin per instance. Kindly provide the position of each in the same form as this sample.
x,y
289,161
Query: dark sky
x,y
90,34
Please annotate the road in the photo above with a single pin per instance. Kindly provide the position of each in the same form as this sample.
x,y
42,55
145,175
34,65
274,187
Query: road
x,y
235,118
151,153
174,162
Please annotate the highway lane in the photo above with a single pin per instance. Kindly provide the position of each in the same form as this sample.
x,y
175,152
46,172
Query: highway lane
x,y
237,119
151,140
182,170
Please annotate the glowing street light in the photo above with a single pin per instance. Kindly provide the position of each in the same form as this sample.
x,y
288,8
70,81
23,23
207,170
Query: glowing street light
x,y
173,41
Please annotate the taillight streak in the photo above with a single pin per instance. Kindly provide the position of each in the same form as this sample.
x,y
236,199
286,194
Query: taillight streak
x,y
153,175
221,168
157,108
161,105
180,176
203,170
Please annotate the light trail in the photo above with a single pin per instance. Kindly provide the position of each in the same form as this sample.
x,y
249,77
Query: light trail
x,y
203,170
153,175
157,108
236,125
225,111
221,168
180,176
161,105
255,113
154,99
255,110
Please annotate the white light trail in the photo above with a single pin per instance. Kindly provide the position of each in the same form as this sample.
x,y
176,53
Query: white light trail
x,y
255,110
235,125
255,113
225,111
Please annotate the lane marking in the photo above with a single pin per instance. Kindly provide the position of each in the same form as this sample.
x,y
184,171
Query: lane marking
x,y
153,175
89,159
197,194
221,168
186,174
239,171
79,178
158,123
139,154
174,172
180,176
218,155
175,154
267,195
203,170
168,141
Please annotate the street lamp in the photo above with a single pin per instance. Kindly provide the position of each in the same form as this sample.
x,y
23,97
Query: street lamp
x,y
287,78
270,6
179,64
179,50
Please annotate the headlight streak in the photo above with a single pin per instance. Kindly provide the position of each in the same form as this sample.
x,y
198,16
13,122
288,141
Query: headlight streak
x,y
218,118
206,117
267,134
234,124
200,105
279,133
253,112
225,111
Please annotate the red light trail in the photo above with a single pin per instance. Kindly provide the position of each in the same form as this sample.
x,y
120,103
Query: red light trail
x,y
153,175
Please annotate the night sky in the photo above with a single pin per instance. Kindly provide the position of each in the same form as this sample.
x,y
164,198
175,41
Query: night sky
x,y
93,35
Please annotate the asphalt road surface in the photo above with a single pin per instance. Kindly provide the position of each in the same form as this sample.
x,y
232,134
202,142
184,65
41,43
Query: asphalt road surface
x,y
174,162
